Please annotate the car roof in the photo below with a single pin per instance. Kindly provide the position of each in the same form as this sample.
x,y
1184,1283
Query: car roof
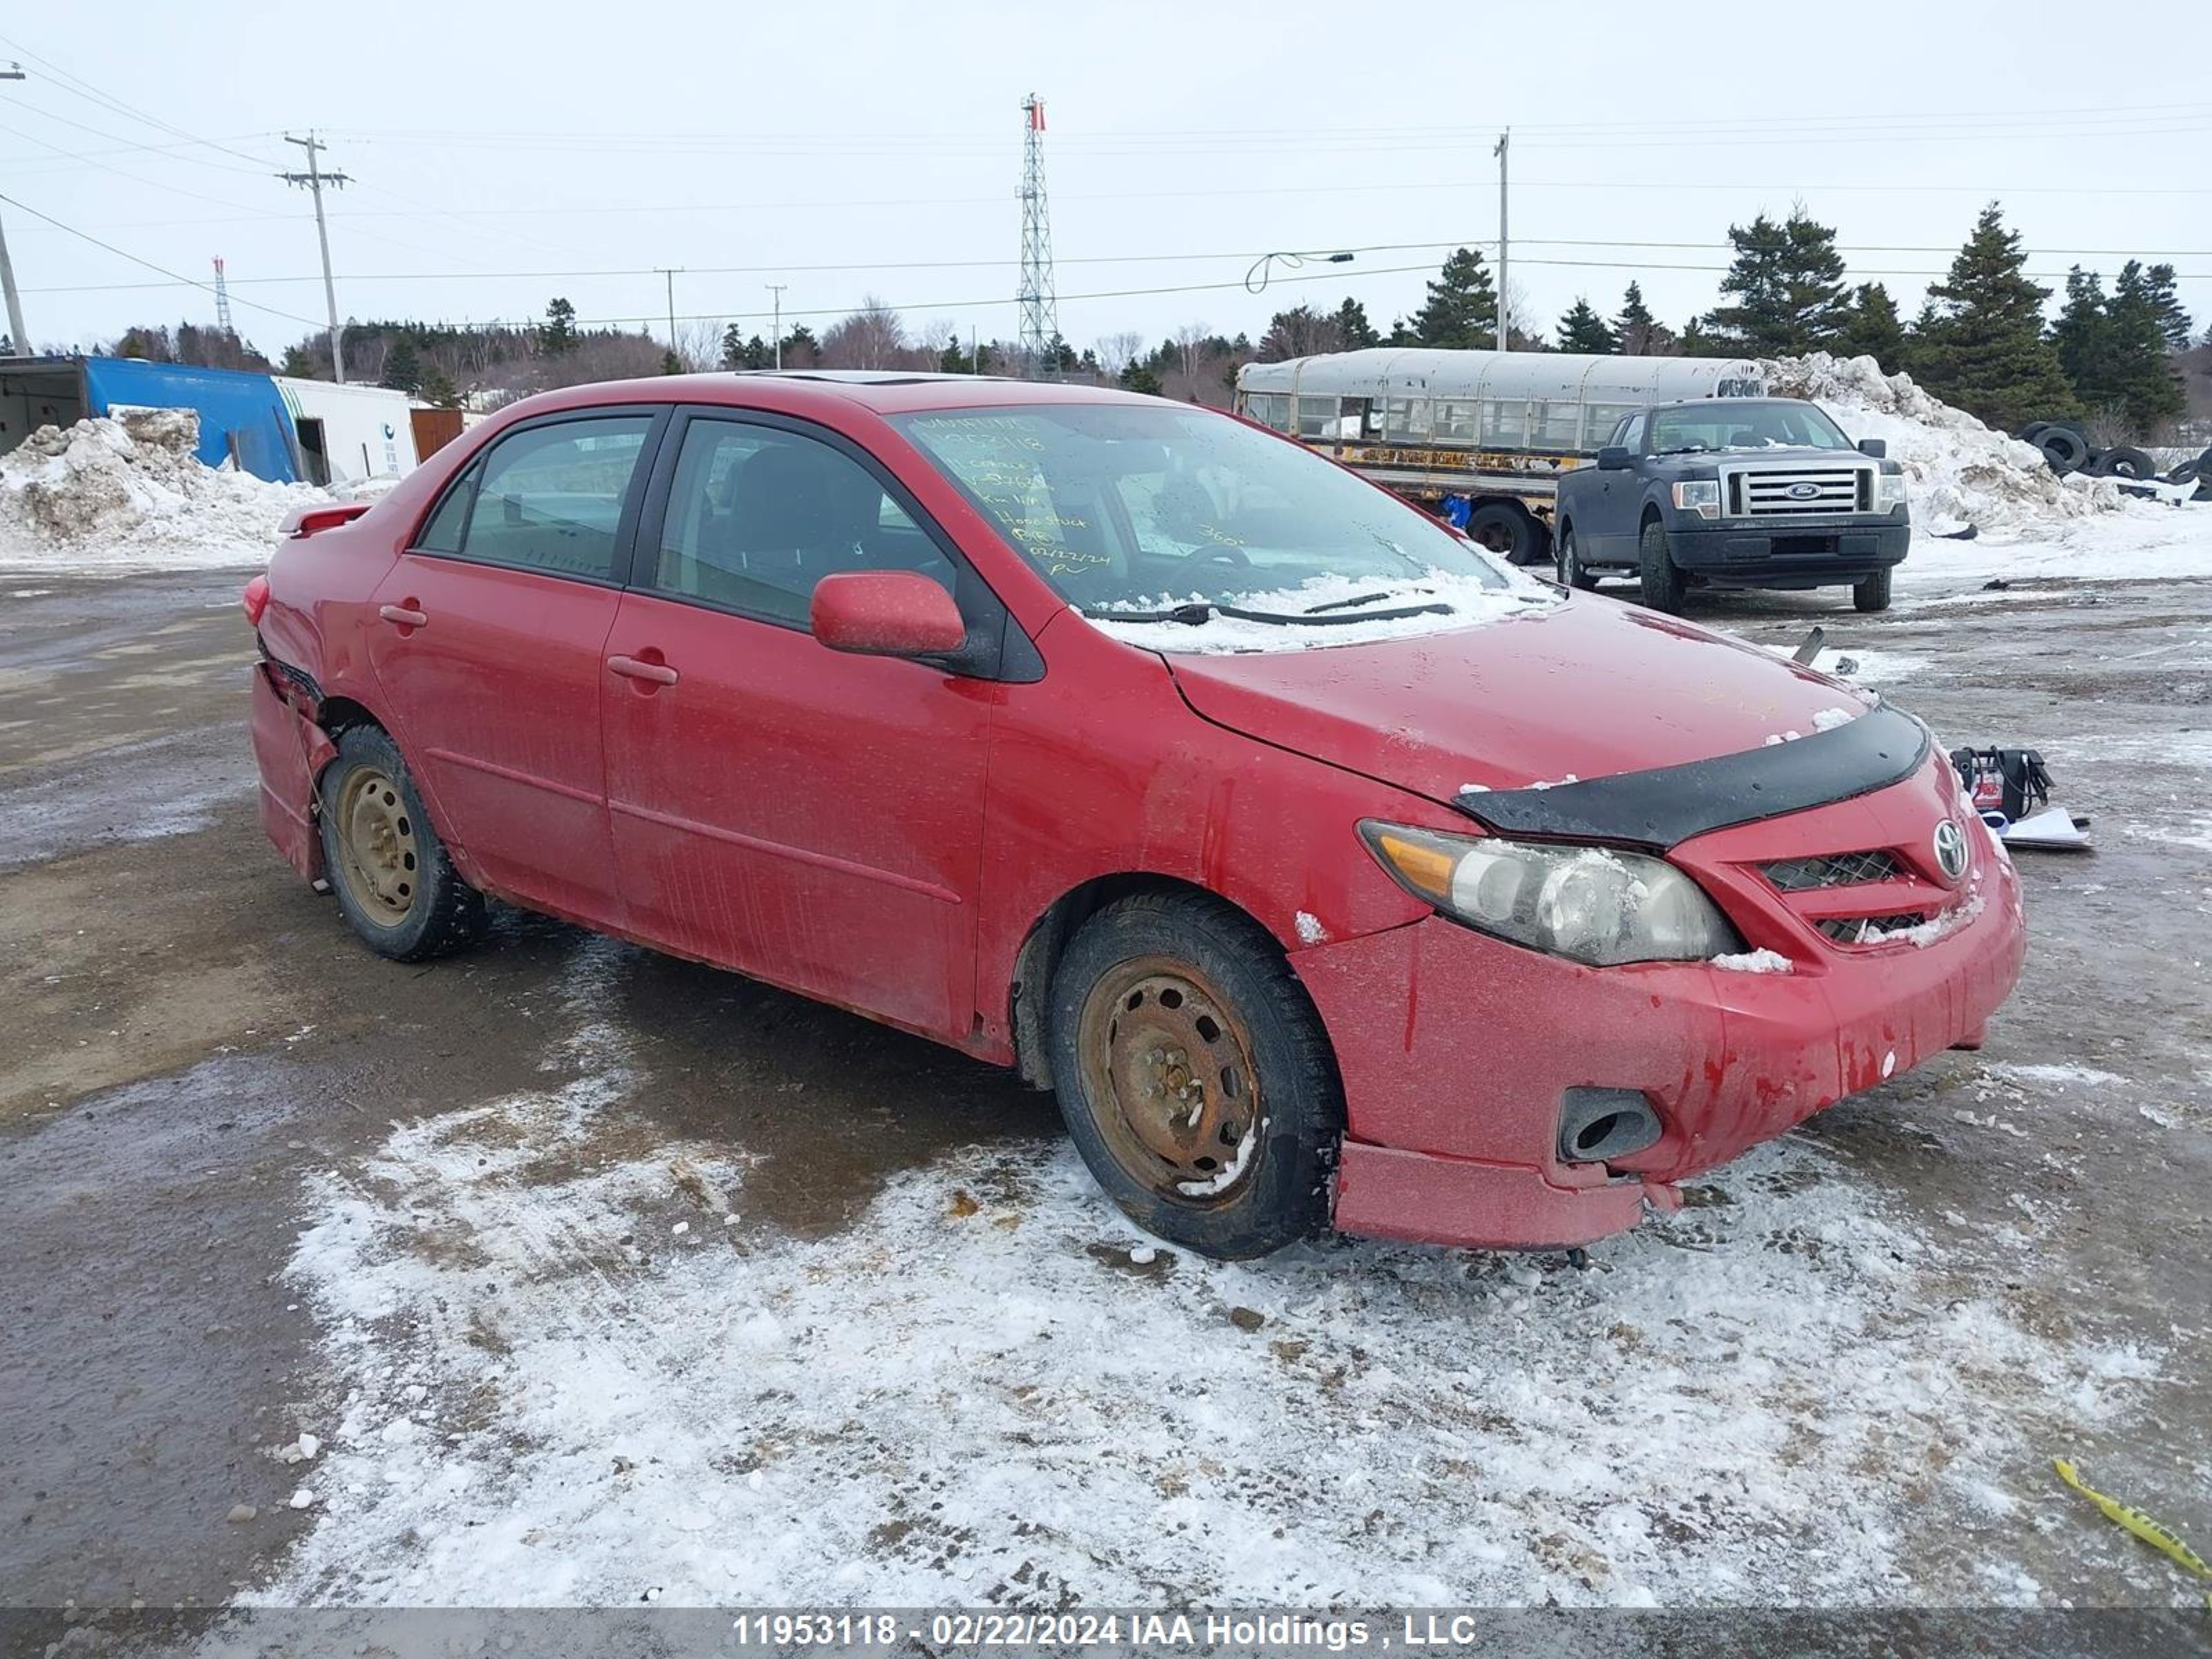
x,y
799,391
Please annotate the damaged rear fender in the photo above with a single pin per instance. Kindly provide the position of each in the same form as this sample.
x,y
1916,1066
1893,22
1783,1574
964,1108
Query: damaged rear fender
x,y
290,751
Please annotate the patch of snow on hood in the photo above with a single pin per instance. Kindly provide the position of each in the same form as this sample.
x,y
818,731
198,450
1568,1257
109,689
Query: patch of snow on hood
x,y
1469,601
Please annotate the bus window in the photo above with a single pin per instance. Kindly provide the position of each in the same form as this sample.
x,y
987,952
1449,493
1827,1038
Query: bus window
x,y
1455,422
1405,420
1270,409
1505,424
1555,425
1317,417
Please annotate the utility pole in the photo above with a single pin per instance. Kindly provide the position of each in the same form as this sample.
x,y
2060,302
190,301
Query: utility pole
x,y
18,341
669,271
777,289
314,179
1504,330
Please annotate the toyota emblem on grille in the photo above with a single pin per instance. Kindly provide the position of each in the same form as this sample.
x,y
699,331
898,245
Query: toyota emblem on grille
x,y
1802,492
1951,850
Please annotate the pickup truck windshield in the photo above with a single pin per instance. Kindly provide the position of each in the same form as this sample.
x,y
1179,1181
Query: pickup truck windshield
x,y
1127,509
1725,423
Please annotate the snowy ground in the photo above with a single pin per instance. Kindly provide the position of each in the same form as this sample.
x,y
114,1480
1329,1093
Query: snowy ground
x,y
559,1376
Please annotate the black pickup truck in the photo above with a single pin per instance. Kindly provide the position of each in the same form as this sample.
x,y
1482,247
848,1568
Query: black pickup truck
x,y
1734,492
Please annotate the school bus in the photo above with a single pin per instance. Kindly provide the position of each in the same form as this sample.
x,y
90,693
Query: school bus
x,y
1479,437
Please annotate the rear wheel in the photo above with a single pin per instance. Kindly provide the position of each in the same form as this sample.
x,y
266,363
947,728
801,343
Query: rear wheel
x,y
1872,593
1662,580
1194,1075
1505,530
1571,573
394,884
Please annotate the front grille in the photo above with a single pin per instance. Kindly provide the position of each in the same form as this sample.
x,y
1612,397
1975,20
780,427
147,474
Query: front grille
x,y
1833,870
1855,930
1810,489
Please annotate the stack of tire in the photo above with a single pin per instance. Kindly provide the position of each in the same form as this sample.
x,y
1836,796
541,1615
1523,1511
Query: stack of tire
x,y
2066,448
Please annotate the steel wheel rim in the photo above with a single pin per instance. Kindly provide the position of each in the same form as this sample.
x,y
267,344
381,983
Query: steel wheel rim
x,y
1567,560
1168,1068
379,859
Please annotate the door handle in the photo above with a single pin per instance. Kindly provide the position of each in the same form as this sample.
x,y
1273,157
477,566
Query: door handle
x,y
660,673
405,616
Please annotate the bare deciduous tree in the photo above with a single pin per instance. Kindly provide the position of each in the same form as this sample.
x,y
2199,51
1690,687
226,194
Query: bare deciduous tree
x,y
871,337
1115,351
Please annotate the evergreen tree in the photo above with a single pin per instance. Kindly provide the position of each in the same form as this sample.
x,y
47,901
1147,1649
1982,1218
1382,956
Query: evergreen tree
x,y
1787,281
2172,320
733,347
1354,332
800,349
1697,343
670,362
1461,310
1873,329
298,364
1636,331
952,359
2080,335
1138,375
1583,330
438,389
558,337
403,366
7,345
1301,331
2140,377
1980,343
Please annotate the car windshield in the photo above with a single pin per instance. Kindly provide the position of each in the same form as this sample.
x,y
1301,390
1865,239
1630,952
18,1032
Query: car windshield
x,y
1145,512
1723,423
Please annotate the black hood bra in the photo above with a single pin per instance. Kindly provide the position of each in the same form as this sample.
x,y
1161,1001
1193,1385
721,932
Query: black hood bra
x,y
1668,805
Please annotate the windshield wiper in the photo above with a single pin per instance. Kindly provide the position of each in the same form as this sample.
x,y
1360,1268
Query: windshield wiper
x,y
1197,613
1346,604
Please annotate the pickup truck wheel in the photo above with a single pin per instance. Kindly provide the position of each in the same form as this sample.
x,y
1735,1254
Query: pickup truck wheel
x,y
1663,580
394,884
1505,530
1194,1076
1572,574
1872,593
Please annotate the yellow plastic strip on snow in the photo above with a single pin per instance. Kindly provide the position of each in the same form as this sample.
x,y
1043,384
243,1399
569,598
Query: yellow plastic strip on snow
x,y
2158,1536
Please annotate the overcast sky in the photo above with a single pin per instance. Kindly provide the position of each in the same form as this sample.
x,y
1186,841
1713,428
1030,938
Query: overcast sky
x,y
858,147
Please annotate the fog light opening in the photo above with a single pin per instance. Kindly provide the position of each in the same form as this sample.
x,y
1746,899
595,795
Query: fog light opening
x,y
1597,1126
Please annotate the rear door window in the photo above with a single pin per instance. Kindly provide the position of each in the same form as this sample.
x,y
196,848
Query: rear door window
x,y
546,498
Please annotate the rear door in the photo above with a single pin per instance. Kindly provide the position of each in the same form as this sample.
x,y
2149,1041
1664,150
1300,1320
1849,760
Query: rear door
x,y
488,645
812,818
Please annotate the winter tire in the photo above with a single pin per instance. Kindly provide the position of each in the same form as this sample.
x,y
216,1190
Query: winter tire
x,y
1194,1076
1871,593
394,884
1662,578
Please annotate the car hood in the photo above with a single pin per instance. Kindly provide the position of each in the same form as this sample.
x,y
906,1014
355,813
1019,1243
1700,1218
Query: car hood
x,y
1586,689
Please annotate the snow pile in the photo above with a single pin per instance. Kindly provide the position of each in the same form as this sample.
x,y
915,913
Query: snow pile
x,y
115,495
1960,472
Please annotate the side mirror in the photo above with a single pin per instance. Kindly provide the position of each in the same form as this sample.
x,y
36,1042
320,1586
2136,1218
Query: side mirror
x,y
1875,448
886,613
1613,458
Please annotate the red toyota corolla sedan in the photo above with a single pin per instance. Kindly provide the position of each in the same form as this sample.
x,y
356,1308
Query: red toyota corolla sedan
x,y
1330,871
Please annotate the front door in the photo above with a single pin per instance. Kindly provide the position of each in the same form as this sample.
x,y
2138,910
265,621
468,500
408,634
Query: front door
x,y
488,638
808,816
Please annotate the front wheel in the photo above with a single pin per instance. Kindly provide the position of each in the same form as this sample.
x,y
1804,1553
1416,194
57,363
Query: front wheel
x,y
1872,593
1571,573
1662,578
396,886
1194,1076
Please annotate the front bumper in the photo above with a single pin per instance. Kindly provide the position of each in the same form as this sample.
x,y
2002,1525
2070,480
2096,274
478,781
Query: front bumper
x,y
1811,553
1455,1048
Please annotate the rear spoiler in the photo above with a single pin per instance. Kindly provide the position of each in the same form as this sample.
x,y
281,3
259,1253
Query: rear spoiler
x,y
303,521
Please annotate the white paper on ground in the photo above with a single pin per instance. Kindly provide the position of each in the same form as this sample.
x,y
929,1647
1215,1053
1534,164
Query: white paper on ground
x,y
2052,827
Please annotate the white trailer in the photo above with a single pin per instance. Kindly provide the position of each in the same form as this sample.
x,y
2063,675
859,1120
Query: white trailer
x,y
349,435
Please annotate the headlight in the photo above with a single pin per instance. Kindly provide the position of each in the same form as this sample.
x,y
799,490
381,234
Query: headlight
x,y
1589,904
1888,491
1699,495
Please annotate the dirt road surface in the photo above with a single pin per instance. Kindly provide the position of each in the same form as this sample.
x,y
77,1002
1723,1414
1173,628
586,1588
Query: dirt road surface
x,y
599,1276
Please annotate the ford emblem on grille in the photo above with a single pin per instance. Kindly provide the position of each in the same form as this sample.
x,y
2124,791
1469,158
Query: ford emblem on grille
x,y
1802,492
1950,849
